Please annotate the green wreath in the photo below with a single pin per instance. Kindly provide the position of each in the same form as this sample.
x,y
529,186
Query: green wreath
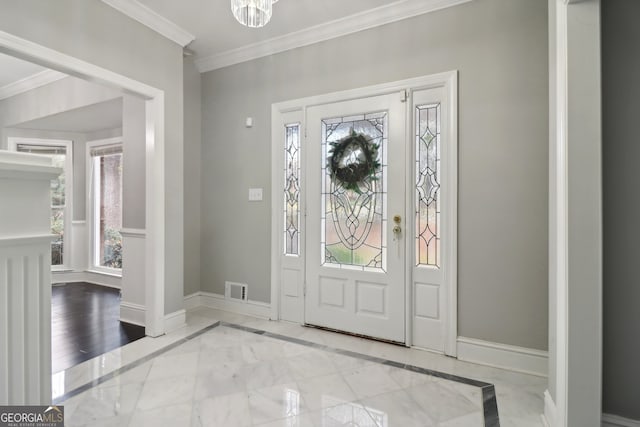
x,y
352,160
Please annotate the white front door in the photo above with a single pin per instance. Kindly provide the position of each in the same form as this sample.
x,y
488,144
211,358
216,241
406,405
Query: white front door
x,y
337,262
355,245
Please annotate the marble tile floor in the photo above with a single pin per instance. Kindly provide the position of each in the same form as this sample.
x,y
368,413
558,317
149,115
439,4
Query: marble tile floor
x,y
225,369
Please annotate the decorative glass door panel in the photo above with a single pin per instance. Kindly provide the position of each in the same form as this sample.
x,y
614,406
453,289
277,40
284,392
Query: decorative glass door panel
x,y
432,224
353,230
355,173
427,124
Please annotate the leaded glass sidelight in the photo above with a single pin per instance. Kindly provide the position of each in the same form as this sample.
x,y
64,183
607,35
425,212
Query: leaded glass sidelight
x,y
427,122
353,223
292,190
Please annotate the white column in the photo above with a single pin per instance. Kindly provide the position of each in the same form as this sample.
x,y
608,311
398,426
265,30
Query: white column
x,y
575,209
25,278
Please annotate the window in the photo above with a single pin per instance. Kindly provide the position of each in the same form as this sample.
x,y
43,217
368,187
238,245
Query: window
x,y
428,150
292,190
61,192
105,198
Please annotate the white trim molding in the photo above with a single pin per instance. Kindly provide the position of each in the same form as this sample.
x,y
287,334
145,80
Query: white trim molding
x,y
610,420
509,357
192,301
147,17
26,240
94,277
133,232
175,320
550,415
132,313
32,82
218,302
365,20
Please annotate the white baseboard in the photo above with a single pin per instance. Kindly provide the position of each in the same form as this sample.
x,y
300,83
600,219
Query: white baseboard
x,y
610,420
192,301
217,301
175,320
132,313
512,358
94,277
550,416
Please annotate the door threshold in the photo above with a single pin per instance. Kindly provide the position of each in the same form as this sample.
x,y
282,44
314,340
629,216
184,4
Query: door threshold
x,y
352,334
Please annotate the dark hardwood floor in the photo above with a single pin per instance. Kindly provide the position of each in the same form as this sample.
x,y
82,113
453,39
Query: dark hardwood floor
x,y
85,323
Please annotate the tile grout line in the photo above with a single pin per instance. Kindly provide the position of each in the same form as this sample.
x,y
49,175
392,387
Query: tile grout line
x,y
132,365
489,399
490,406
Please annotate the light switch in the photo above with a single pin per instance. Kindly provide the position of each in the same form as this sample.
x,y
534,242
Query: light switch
x,y
248,122
255,194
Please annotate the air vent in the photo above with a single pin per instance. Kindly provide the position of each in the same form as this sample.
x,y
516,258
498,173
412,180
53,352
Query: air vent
x,y
235,291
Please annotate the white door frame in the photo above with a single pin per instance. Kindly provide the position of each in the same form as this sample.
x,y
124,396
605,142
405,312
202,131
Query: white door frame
x,y
297,110
154,200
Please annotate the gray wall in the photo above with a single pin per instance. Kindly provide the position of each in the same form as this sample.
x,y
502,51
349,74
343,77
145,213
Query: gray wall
x,y
500,50
133,171
192,176
621,175
97,33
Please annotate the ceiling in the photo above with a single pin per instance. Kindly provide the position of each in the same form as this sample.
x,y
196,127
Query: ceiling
x,y
92,118
217,40
216,30
14,69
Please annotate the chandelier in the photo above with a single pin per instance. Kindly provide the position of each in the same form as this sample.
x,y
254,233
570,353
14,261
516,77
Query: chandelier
x,y
252,13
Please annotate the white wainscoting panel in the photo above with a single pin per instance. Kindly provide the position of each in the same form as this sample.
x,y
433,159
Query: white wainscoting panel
x,y
25,324
133,275
513,358
25,278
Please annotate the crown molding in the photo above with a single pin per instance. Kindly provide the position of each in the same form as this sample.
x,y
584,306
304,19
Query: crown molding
x,y
387,14
28,83
158,23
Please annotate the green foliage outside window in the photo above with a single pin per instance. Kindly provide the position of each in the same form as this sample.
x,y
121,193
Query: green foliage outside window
x,y
112,248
